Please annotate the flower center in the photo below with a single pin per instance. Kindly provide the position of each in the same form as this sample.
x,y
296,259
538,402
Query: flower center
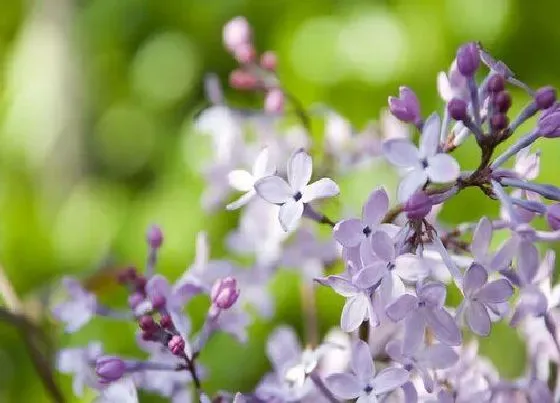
x,y
366,231
368,389
424,163
298,196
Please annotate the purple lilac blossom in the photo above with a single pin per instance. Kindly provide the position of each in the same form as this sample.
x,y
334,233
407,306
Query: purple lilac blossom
x,y
79,309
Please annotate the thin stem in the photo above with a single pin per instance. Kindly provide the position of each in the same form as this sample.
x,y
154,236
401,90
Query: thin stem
x,y
323,388
309,308
151,263
8,293
523,142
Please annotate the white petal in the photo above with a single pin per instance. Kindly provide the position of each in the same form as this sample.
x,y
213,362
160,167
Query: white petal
x,y
321,189
443,87
429,140
353,312
411,267
274,189
413,181
442,168
243,200
241,180
401,152
344,386
263,165
290,214
300,167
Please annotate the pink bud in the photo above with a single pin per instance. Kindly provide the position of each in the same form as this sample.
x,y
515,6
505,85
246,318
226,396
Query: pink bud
x,y
176,345
236,32
242,80
269,60
224,292
109,368
245,53
274,101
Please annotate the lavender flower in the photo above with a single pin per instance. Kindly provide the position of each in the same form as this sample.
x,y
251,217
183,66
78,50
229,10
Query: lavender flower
x,y
406,107
80,362
79,309
293,194
481,245
423,163
364,383
121,391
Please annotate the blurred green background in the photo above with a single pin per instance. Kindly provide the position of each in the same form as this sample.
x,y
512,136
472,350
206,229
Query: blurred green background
x,y
97,102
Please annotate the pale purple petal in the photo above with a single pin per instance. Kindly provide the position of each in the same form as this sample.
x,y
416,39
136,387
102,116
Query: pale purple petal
x,y
443,326
243,200
300,167
348,232
531,302
370,275
158,285
410,393
366,253
340,285
282,347
389,379
290,214
442,168
263,165
427,379
241,180
321,189
375,207
362,362
344,386
527,262
429,140
401,307
414,330
477,318
411,267
401,152
505,254
495,292
413,181
481,239
370,398
439,356
433,294
475,277
391,288
353,312
383,246
394,351
274,189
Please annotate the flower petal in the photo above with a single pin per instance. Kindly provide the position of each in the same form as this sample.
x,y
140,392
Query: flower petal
x,y
477,318
481,239
414,329
444,327
370,275
438,356
299,167
349,233
495,292
339,284
243,200
389,379
475,277
410,267
527,262
290,214
401,152
343,386
401,307
429,140
383,246
442,168
282,347
263,165
362,361
433,294
241,180
323,188
273,189
375,207
353,312
413,181
503,256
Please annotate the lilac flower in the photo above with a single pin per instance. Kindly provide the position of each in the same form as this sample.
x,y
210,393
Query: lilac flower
x,y
452,85
79,309
293,194
358,306
121,391
225,293
110,368
436,356
480,248
424,310
363,383
423,163
244,181
480,296
80,362
549,122
406,107
354,232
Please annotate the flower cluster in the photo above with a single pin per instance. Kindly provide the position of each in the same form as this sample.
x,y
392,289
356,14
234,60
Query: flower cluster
x,y
399,340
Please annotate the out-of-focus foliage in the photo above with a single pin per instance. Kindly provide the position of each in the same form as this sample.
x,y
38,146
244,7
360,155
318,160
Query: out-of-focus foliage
x,y
98,98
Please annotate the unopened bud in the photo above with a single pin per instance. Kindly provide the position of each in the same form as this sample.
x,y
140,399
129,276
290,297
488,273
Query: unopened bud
x,y
245,53
545,97
176,345
553,216
269,61
406,107
224,292
274,101
468,59
243,80
147,324
499,121
154,236
457,109
549,122
418,206
109,368
496,83
236,32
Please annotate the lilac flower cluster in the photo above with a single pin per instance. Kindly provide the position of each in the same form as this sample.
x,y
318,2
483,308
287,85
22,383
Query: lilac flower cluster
x,y
398,339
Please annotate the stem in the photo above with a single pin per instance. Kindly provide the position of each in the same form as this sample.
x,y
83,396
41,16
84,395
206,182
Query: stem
x,y
312,214
151,263
523,142
300,111
309,308
322,387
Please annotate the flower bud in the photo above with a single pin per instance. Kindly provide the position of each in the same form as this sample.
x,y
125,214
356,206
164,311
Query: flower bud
x,y
553,216
406,107
496,83
502,101
274,101
468,59
418,206
224,292
269,60
154,236
457,109
127,275
236,32
109,368
245,53
243,80
499,121
135,299
147,324
140,283
158,301
545,97
165,321
176,345
549,122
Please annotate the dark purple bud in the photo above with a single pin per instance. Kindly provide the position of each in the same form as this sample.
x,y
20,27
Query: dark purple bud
x,y
418,206
457,109
166,322
502,101
147,324
154,236
224,292
499,121
545,97
496,83
549,122
158,301
148,336
135,299
109,368
406,107
127,275
553,216
140,283
468,59
176,345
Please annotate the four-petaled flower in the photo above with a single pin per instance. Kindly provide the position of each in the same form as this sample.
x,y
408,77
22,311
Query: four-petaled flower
x,y
423,163
292,195
78,309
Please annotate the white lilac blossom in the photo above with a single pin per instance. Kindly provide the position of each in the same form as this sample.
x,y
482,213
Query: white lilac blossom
x,y
423,163
293,194
398,258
